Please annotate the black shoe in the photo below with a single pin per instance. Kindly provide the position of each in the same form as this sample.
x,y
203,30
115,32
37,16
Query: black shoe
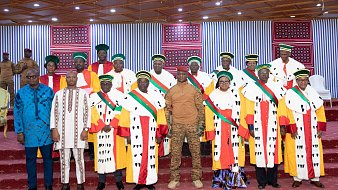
x,y
296,184
119,185
29,188
151,187
80,186
100,186
50,187
138,187
317,184
276,185
261,186
65,186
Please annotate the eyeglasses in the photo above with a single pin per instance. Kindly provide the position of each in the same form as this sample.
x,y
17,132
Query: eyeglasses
x,y
32,77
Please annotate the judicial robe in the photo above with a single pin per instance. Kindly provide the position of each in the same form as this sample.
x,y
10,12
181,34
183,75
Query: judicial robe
x,y
143,120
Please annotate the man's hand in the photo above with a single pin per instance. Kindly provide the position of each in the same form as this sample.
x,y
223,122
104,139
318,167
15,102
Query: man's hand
x,y
282,130
200,129
21,138
319,134
294,135
128,140
55,135
158,140
252,133
106,128
84,135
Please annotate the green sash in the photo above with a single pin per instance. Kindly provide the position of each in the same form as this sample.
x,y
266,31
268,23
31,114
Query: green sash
x,y
267,91
300,94
158,84
251,74
144,102
109,102
214,109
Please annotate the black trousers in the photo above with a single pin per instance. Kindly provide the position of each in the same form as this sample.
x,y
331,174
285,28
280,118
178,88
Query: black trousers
x,y
266,176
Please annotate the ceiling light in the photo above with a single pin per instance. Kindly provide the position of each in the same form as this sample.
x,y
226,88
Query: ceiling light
x,y
54,19
318,5
292,16
205,17
91,20
239,13
6,10
36,5
180,20
218,3
30,21
180,9
112,10
326,12
77,8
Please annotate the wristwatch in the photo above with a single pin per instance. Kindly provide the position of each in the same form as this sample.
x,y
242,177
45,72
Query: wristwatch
x,y
86,129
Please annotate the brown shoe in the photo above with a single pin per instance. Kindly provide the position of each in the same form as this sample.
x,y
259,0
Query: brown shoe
x,y
296,184
317,184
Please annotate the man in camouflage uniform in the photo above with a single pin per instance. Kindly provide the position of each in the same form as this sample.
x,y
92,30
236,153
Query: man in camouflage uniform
x,y
24,65
7,70
187,122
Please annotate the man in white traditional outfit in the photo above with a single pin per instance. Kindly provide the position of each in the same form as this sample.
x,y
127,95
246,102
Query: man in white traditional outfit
x,y
110,150
70,122
283,68
124,79
144,125
303,120
161,81
89,81
265,142
226,59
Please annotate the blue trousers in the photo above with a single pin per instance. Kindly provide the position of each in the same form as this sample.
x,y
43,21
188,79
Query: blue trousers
x,y
46,152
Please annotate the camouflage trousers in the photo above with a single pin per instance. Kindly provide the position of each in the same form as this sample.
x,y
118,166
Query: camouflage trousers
x,y
179,132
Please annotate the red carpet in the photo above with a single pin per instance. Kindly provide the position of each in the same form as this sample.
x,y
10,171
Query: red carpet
x,y
13,171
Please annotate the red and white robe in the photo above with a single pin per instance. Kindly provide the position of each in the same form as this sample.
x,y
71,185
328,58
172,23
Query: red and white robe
x,y
303,112
109,148
162,83
124,81
283,72
228,150
101,69
143,127
265,147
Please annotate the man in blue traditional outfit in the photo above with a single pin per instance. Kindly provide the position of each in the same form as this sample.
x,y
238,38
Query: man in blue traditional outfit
x,y
32,107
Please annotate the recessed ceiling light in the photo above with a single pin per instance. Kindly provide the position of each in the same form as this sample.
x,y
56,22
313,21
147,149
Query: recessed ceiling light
x,y
36,5
180,20
91,20
180,9
77,8
30,21
218,3
6,10
318,5
292,16
239,13
326,12
54,19
205,17
112,10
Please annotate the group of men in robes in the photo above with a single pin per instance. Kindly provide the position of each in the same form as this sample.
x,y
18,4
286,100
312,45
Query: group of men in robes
x,y
152,113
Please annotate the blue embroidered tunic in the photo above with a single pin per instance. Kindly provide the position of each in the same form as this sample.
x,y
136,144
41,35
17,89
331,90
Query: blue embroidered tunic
x,y
32,114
